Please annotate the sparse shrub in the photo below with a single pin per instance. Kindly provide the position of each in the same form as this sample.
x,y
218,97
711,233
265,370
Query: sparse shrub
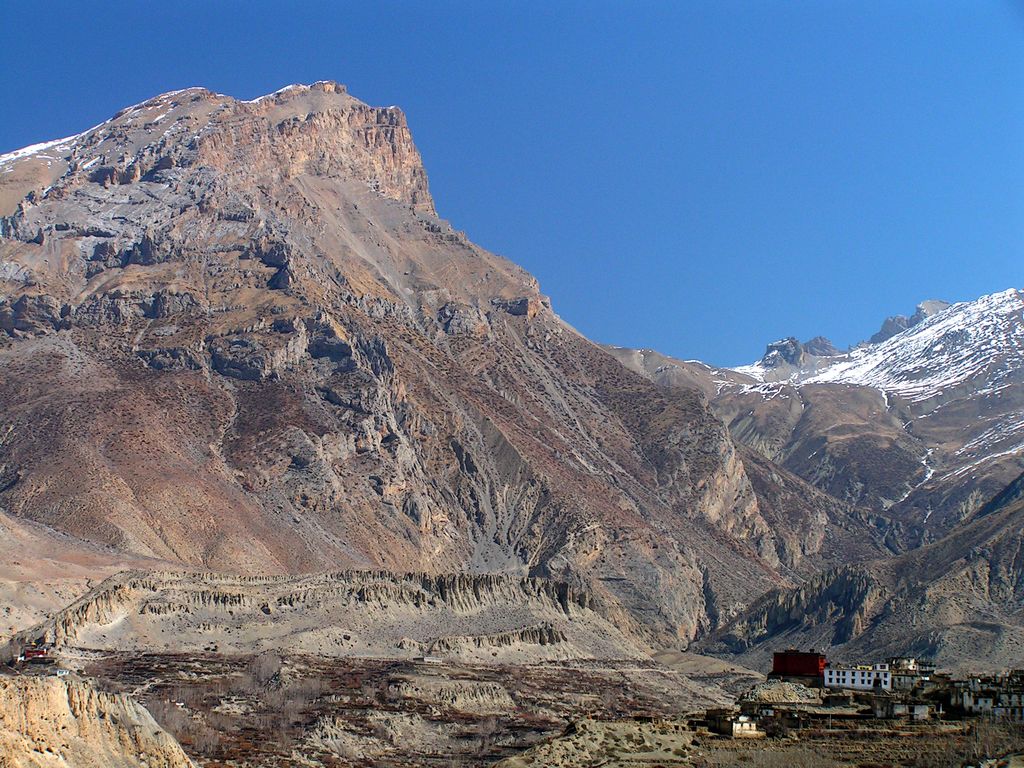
x,y
265,667
189,731
487,729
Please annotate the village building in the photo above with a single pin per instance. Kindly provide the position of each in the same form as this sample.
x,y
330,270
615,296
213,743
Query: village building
x,y
729,722
36,653
891,708
806,667
909,673
903,681
838,698
902,688
1000,697
860,678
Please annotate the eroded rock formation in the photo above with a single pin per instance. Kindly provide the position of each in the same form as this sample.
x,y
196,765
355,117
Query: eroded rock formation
x,y
46,722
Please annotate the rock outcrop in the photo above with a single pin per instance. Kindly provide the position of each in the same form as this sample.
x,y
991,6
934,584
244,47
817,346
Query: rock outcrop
x,y
55,723
541,634
899,323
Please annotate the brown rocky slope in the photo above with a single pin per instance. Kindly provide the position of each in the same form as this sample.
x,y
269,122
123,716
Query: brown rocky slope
x,y
959,600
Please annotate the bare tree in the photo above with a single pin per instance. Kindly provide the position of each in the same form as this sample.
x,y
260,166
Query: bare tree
x,y
265,667
487,730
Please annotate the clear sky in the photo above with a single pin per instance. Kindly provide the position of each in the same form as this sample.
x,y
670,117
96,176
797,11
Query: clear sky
x,y
696,177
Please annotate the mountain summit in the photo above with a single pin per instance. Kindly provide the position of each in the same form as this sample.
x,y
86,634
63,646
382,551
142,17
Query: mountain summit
x,y
941,347
319,130
899,323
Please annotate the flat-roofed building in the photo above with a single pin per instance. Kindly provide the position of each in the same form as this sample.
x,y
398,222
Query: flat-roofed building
x,y
859,678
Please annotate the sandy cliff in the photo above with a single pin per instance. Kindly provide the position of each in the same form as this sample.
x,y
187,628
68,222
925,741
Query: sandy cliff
x,y
46,722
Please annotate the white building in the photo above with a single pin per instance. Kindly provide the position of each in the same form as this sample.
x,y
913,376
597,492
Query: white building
x,y
737,725
862,678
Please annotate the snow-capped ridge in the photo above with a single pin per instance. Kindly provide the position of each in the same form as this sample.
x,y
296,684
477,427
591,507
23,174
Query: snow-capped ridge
x,y
965,341
279,92
33,149
971,340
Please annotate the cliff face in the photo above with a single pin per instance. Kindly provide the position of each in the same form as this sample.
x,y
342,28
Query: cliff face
x,y
237,337
52,723
318,130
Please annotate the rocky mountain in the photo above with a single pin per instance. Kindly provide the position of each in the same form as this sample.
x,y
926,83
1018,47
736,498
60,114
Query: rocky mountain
x,y
898,323
959,600
923,424
239,338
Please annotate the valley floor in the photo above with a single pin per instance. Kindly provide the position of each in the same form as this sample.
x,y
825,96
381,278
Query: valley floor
x,y
274,710
271,710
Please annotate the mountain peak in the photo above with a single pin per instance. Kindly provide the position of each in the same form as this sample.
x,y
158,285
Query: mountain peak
x,y
297,368
899,323
942,346
821,347
295,90
298,130
791,352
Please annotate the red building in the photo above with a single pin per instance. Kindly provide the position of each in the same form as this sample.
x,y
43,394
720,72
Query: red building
x,y
794,663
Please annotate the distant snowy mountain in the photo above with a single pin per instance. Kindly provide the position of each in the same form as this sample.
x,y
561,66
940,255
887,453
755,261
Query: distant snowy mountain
x,y
968,341
925,424
972,340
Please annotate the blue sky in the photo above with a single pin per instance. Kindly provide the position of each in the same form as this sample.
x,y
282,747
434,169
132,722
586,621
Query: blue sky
x,y
698,177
